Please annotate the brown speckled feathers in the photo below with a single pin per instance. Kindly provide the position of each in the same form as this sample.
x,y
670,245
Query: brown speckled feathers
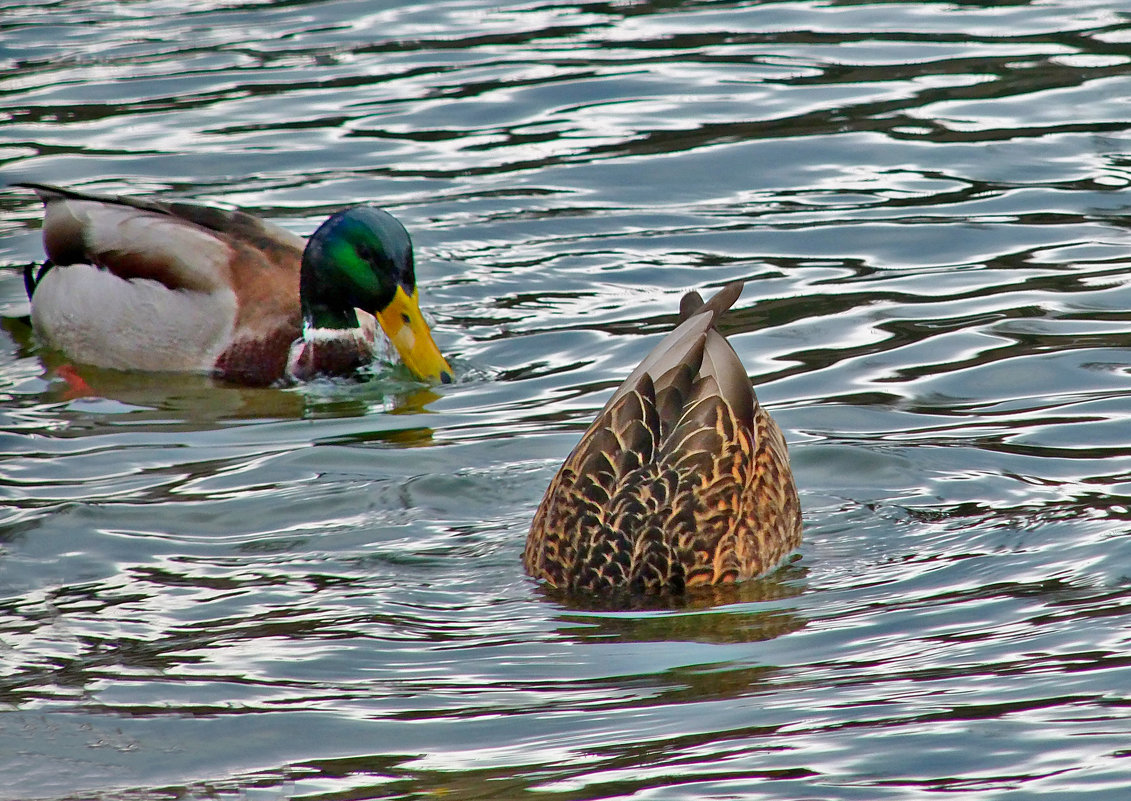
x,y
682,479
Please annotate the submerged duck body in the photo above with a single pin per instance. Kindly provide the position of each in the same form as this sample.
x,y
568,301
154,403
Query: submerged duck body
x,y
135,284
683,478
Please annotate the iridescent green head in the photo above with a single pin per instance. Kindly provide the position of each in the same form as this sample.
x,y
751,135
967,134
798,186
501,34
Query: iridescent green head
x,y
355,260
361,258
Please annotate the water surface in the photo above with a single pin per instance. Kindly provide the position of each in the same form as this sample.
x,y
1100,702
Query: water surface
x,y
316,592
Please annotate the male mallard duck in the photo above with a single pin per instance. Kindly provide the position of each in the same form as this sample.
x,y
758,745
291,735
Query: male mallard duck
x,y
682,479
144,285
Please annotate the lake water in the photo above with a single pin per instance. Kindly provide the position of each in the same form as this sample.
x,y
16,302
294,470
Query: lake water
x,y
316,593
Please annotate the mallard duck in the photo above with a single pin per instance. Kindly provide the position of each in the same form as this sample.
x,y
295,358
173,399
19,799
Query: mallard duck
x,y
683,478
144,285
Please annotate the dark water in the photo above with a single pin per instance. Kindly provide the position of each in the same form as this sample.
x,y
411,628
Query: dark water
x,y
316,593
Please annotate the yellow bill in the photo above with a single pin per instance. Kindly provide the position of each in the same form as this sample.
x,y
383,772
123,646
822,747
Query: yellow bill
x,y
404,325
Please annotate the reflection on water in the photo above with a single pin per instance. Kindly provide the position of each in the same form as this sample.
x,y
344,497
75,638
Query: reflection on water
x,y
316,592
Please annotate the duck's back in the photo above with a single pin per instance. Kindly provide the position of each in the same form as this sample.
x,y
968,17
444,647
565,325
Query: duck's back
x,y
682,479
142,285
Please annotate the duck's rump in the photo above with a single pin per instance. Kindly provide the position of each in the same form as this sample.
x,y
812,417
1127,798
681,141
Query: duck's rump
x,y
682,479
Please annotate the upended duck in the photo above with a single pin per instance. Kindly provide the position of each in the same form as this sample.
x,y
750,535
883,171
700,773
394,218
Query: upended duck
x,y
683,479
144,285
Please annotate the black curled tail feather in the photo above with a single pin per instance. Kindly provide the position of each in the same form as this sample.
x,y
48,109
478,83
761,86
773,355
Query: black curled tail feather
x,y
33,274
